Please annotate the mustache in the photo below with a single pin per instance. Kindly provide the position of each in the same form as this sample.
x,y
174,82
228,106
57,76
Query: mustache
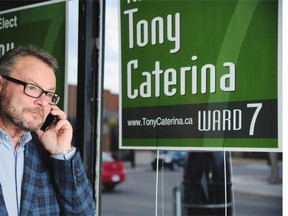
x,y
38,110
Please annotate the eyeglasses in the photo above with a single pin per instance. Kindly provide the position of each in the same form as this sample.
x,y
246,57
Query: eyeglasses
x,y
35,91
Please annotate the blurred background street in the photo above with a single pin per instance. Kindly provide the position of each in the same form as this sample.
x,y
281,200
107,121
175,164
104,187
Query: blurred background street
x,y
252,193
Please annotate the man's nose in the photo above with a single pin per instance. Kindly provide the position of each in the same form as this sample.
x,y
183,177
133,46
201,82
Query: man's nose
x,y
44,100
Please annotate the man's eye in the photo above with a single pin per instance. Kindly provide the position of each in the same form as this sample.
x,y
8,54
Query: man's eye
x,y
50,95
31,88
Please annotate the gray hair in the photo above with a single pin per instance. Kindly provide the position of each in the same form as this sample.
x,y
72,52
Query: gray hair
x,y
8,60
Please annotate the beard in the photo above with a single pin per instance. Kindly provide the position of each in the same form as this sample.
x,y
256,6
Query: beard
x,y
17,116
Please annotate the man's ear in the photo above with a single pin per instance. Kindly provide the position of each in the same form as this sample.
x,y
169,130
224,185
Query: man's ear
x,y
1,82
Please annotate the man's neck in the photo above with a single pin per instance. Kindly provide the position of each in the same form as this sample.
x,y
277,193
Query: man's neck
x,y
14,132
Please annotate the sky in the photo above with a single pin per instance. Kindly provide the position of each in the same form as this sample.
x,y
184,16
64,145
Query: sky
x,y
111,65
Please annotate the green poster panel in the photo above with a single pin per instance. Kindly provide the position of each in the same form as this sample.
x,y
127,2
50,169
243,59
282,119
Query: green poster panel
x,y
200,75
41,24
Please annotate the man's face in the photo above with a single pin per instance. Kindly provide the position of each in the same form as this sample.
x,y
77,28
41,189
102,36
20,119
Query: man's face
x,y
17,108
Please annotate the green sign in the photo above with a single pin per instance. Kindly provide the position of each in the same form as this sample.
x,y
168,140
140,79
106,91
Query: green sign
x,y
40,24
199,74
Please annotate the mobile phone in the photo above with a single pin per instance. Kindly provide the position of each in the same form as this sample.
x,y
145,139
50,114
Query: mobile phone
x,y
50,120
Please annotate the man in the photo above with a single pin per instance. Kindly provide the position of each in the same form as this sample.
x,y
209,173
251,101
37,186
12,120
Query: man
x,y
40,172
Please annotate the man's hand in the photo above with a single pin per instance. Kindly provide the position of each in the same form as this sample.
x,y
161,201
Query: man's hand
x,y
57,139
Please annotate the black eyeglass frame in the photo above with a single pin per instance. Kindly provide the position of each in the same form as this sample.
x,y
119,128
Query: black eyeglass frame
x,y
25,84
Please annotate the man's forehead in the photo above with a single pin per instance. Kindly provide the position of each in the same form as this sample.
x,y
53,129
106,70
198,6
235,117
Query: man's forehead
x,y
35,71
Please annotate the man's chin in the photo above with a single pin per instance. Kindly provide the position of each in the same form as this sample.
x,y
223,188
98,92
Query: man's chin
x,y
30,127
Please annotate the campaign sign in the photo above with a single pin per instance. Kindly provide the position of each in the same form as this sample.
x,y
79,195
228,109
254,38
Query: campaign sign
x,y
41,24
200,75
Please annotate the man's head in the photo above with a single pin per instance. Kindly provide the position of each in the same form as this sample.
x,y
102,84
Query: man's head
x,y
8,60
27,87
